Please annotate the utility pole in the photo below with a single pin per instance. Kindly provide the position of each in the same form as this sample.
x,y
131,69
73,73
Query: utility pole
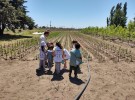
x,y
50,24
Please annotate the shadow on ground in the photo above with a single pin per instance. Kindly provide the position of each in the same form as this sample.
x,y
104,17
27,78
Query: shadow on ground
x,y
76,81
57,77
64,71
8,37
40,72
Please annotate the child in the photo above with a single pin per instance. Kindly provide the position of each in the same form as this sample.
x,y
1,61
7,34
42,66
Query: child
x,y
66,57
73,44
75,59
73,47
58,57
50,55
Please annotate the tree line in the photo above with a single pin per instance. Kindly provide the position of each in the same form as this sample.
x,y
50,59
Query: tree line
x,y
118,15
13,15
117,27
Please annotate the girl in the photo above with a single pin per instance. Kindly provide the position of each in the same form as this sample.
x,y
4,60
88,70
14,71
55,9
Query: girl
x,y
58,57
50,55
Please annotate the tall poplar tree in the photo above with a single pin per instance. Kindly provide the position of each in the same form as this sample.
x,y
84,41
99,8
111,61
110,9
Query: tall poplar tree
x,y
118,15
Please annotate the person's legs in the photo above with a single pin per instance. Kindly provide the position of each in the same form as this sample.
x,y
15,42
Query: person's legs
x,y
57,67
40,64
70,70
49,65
79,70
75,70
45,61
65,63
43,64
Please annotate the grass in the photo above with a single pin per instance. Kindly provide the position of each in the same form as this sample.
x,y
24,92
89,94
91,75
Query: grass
x,y
9,36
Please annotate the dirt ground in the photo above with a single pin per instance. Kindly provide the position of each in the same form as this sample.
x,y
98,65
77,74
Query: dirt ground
x,y
109,81
19,81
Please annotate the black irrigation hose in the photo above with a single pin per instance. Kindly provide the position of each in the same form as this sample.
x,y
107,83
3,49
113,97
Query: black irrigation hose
x,y
86,84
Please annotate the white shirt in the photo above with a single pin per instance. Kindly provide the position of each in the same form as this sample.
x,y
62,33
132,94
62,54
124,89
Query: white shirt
x,y
42,43
58,54
42,38
66,52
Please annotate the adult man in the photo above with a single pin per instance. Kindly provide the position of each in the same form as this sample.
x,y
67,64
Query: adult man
x,y
43,44
44,36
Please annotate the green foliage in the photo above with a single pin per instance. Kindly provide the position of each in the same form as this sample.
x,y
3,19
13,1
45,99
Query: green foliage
x,y
112,32
131,26
53,34
13,15
118,15
7,15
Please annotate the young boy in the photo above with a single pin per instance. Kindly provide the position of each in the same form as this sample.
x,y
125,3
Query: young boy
x,y
73,47
73,44
75,59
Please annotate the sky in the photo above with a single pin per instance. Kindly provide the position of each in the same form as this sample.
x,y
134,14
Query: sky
x,y
75,13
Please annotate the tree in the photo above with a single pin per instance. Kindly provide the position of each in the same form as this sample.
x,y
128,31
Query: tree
x,y
131,26
7,16
111,15
124,11
107,21
118,15
24,20
29,22
13,15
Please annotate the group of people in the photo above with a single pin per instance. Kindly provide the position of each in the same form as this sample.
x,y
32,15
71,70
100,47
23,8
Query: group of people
x,y
51,54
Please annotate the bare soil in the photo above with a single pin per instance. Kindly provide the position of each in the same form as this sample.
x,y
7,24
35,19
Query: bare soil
x,y
109,81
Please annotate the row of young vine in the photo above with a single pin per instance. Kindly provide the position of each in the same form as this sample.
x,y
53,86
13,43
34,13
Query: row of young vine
x,y
111,33
21,48
18,49
103,51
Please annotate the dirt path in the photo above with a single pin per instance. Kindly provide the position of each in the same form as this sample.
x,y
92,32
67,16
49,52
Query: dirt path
x,y
109,80
18,81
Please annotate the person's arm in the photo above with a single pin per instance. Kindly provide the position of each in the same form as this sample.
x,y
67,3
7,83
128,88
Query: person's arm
x,y
42,48
63,54
53,53
80,56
